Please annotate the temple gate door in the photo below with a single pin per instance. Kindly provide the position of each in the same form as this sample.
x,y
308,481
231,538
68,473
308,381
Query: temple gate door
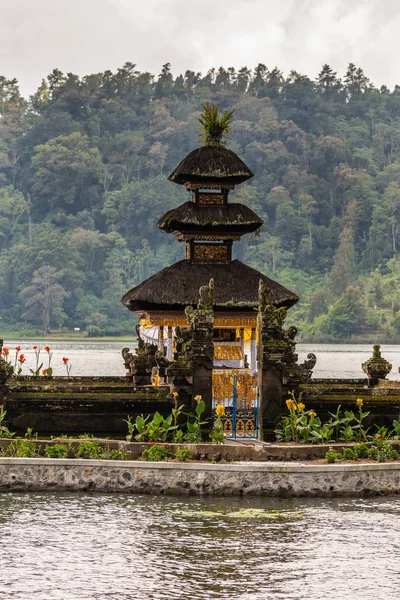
x,y
236,390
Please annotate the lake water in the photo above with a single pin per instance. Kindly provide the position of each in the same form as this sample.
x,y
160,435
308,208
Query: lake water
x,y
121,547
104,358
116,547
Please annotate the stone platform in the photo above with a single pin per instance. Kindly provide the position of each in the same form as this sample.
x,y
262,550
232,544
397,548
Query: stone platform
x,y
242,479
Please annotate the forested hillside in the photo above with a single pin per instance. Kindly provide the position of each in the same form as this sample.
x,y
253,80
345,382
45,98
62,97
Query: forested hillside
x,y
83,180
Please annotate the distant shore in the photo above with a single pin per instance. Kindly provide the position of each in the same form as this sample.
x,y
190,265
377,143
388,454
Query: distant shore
x,y
59,337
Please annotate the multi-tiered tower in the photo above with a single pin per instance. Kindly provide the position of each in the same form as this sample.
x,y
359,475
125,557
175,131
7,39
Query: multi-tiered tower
x,y
208,224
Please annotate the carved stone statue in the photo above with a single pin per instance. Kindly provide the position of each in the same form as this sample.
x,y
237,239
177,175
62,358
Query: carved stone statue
x,y
140,364
276,345
376,367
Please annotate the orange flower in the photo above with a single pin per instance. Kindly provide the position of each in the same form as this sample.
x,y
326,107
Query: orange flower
x,y
65,360
5,352
47,348
21,359
44,371
301,406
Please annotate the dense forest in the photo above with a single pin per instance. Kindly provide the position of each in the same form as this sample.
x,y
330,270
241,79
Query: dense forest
x,y
83,180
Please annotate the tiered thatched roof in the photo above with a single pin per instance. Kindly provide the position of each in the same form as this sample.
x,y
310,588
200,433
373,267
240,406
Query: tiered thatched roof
x,y
211,165
175,287
235,218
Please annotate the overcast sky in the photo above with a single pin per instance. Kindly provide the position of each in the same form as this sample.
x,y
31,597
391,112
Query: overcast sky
x,y
89,36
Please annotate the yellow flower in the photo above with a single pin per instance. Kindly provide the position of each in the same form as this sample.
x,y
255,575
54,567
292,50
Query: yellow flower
x,y
291,404
175,394
220,410
198,398
359,402
312,414
301,406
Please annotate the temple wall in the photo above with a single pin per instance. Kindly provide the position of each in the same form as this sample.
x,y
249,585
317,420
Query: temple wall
x,y
75,405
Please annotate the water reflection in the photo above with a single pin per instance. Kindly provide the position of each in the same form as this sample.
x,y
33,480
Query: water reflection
x,y
69,547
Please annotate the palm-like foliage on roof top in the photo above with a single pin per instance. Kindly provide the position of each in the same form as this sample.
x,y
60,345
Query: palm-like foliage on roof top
x,y
213,126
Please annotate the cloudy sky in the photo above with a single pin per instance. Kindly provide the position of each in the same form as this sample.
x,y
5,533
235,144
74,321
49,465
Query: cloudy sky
x,y
87,36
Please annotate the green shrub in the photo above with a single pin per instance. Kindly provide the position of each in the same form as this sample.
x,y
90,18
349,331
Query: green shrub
x,y
56,451
88,449
373,453
349,454
332,456
21,448
361,450
394,455
155,453
117,454
184,454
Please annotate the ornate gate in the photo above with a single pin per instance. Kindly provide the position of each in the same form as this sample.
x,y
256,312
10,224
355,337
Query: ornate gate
x,y
236,390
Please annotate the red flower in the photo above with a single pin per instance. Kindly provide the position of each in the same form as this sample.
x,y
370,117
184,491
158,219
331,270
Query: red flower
x,y
65,360
152,443
21,359
17,348
5,352
34,347
44,371
47,348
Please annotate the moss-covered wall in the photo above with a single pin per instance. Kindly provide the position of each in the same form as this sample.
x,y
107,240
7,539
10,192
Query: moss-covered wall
x,y
96,405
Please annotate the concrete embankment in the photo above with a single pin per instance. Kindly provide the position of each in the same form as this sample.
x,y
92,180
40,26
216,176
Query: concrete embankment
x,y
245,478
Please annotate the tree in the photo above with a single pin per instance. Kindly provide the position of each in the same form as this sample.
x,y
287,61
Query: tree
x,y
66,173
346,315
343,269
43,298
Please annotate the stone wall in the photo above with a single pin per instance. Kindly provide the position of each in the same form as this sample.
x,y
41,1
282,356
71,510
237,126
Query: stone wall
x,y
76,405
257,479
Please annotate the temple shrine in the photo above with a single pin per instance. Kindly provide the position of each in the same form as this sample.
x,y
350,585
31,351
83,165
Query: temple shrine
x,y
209,224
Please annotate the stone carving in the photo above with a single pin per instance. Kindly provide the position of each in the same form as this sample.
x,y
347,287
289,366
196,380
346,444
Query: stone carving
x,y
376,367
194,344
140,364
276,345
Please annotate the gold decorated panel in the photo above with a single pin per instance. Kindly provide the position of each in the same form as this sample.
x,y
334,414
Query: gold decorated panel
x,y
206,199
210,252
228,352
221,320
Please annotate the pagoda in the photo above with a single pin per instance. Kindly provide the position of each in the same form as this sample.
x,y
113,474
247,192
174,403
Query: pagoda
x,y
208,224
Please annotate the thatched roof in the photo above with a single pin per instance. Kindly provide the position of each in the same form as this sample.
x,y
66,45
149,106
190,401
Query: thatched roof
x,y
213,165
235,218
175,287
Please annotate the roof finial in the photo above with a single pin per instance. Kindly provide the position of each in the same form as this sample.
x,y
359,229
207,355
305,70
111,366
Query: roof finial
x,y
213,127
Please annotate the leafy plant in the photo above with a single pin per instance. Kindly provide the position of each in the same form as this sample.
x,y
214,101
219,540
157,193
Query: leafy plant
x,y
56,451
332,456
349,454
88,449
113,454
38,367
4,431
217,433
194,434
21,448
184,454
30,435
155,453
213,127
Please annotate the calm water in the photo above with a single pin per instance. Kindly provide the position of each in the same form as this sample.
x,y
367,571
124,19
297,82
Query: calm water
x,y
86,547
104,358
